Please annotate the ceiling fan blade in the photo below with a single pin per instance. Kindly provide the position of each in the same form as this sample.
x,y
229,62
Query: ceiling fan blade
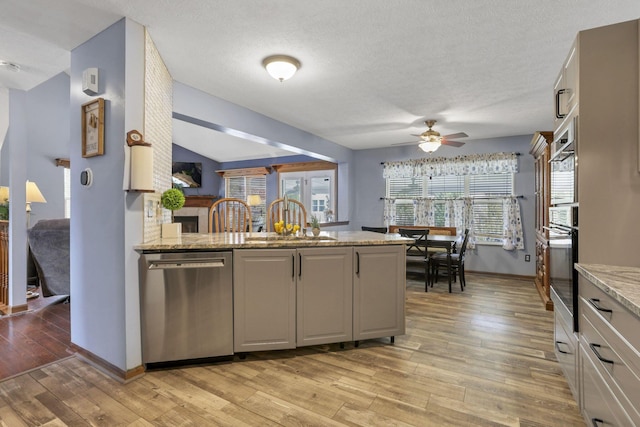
x,y
452,143
456,135
407,143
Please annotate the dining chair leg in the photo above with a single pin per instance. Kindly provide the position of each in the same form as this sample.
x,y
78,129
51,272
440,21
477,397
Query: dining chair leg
x,y
427,276
449,271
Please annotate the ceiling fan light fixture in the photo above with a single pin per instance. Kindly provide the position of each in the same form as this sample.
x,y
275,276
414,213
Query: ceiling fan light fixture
x,y
281,67
429,146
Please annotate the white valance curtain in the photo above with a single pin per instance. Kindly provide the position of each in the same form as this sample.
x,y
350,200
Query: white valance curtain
x,y
459,211
475,164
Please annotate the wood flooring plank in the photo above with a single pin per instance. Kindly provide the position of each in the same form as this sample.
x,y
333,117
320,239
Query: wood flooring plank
x,y
481,357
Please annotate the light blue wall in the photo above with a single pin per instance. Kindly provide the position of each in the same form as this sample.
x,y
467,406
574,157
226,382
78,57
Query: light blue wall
x,y
105,220
17,136
48,106
200,105
370,186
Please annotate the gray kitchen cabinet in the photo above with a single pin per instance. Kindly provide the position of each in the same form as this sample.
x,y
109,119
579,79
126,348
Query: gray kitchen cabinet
x,y
324,295
287,298
264,299
378,292
609,358
565,89
565,343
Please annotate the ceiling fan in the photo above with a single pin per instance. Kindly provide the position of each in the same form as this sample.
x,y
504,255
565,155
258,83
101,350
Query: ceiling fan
x,y
430,140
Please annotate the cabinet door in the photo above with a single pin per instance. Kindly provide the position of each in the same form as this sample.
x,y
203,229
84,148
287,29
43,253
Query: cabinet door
x,y
565,89
566,347
324,295
599,405
264,299
378,291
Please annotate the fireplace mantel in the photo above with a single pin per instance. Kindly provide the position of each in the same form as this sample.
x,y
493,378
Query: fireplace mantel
x,y
199,201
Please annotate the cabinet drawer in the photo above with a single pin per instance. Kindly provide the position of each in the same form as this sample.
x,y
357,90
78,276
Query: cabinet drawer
x,y
614,359
565,350
599,406
610,311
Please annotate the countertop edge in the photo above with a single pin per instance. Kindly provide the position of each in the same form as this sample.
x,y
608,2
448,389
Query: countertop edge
x,y
621,283
226,241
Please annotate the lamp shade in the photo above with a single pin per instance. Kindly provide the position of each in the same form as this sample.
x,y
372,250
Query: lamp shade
x,y
4,194
254,199
33,193
281,67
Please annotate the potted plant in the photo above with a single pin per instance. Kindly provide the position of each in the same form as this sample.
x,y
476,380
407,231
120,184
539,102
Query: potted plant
x,y
315,225
172,199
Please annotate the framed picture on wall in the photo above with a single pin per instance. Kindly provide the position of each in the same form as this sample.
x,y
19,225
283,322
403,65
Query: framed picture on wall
x,y
93,128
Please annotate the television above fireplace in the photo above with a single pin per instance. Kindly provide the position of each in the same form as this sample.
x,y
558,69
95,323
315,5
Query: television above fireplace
x,y
187,174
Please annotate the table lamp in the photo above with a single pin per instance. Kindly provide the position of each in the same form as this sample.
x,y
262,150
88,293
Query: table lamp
x,y
33,196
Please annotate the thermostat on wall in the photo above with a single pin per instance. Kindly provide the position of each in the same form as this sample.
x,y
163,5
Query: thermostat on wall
x,y
90,81
86,177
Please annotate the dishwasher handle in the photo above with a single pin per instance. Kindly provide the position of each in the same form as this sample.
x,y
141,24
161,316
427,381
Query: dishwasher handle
x,y
170,264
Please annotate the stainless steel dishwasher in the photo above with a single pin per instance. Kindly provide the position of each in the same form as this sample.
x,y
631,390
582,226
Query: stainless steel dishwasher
x,y
186,305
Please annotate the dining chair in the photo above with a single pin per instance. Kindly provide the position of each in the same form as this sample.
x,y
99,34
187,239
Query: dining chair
x,y
295,213
418,251
382,230
229,215
439,261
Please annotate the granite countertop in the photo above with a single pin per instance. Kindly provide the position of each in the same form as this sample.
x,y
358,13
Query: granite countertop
x,y
216,241
621,283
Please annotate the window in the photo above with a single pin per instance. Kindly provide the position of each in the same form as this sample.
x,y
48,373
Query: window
x,y
315,189
240,187
486,192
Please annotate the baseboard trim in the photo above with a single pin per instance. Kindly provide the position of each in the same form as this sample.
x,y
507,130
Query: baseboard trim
x,y
502,275
106,367
9,309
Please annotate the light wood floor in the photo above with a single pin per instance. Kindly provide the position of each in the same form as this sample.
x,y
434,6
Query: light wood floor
x,y
481,357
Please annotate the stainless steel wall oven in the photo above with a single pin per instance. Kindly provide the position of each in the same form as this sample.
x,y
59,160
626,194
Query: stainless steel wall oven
x,y
563,254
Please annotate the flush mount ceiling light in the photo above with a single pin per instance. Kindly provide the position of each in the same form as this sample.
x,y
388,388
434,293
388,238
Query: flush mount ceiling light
x,y
281,67
9,66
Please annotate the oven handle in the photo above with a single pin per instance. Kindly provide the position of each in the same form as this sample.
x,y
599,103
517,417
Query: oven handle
x,y
557,229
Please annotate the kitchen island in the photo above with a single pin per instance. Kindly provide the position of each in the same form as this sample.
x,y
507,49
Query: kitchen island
x,y
292,291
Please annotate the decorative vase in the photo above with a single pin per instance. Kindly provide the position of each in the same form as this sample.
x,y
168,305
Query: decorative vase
x,y
315,231
171,230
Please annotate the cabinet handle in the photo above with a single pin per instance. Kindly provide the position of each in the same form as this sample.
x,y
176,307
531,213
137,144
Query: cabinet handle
x,y
293,266
595,421
558,93
595,302
300,270
358,263
558,347
594,348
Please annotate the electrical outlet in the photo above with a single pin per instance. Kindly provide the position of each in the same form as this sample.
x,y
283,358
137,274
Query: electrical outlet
x,y
527,258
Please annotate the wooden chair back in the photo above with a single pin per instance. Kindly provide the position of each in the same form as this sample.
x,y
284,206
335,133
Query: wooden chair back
x,y
419,247
229,215
463,247
295,213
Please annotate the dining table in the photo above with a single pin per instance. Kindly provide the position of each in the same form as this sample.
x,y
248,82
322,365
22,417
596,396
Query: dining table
x,y
446,242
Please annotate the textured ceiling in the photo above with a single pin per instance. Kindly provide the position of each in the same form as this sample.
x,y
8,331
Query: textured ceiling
x,y
372,70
